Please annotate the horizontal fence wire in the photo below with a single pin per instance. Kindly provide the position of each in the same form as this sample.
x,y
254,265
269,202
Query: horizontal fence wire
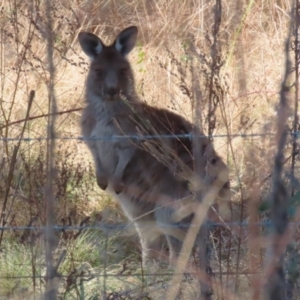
x,y
141,137
95,275
147,137
108,227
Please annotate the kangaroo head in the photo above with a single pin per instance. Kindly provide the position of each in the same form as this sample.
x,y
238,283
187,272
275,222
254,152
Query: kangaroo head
x,y
110,73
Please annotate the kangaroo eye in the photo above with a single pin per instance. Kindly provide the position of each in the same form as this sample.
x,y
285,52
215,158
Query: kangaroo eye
x,y
214,160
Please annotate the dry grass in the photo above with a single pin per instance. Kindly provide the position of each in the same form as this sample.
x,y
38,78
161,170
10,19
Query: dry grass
x,y
175,39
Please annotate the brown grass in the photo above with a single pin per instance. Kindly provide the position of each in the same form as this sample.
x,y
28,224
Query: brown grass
x,y
174,53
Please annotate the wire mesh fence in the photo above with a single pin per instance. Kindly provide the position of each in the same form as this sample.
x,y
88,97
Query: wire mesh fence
x,y
62,237
106,237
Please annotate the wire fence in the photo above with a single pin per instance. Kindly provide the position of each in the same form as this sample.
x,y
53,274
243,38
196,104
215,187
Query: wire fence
x,y
226,244
109,226
47,251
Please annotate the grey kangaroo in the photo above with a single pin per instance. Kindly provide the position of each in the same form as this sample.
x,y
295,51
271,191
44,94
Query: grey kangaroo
x,y
149,173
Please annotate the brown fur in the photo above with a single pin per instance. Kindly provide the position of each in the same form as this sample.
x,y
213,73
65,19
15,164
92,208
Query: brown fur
x,y
148,176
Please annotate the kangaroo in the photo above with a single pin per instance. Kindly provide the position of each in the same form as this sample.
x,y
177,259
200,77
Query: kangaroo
x,y
106,113
147,176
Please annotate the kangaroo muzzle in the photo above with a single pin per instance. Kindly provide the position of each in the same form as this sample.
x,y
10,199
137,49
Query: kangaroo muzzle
x,y
111,92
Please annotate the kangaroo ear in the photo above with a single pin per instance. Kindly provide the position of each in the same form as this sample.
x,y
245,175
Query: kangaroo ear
x,y
90,44
126,40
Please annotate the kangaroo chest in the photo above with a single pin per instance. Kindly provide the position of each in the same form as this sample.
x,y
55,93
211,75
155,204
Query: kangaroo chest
x,y
108,139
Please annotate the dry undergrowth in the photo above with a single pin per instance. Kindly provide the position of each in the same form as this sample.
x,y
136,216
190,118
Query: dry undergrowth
x,y
175,50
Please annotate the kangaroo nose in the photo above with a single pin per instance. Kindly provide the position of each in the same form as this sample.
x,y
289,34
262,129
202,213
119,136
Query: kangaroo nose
x,y
111,92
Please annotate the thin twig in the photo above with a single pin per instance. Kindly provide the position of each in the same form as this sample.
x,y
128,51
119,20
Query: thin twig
x,y
41,116
3,216
189,241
